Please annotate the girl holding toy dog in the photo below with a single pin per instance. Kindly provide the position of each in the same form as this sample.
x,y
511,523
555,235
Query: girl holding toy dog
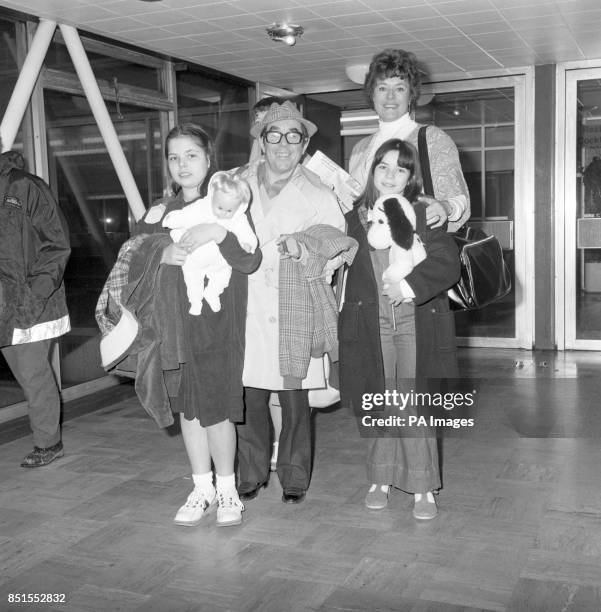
x,y
394,333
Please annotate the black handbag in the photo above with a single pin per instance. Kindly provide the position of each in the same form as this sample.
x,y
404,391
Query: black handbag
x,y
485,277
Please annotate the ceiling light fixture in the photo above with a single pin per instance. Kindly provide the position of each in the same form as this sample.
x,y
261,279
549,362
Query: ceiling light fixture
x,y
285,32
357,72
425,98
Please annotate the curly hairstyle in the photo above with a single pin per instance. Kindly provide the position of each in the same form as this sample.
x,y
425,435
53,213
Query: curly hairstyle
x,y
204,141
408,158
231,183
394,63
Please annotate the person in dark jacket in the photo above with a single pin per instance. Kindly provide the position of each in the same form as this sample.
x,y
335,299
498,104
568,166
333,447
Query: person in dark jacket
x,y
393,336
34,249
209,394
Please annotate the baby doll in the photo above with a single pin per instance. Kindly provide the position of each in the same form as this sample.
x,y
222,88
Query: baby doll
x,y
226,204
393,226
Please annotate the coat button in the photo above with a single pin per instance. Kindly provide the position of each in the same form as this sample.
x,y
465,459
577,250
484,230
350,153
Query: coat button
x,y
432,309
272,319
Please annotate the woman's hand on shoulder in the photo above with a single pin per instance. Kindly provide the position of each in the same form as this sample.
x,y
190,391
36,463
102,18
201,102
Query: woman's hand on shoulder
x,y
201,234
437,211
174,255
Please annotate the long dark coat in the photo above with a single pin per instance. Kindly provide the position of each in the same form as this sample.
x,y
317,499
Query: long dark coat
x,y
218,337
361,366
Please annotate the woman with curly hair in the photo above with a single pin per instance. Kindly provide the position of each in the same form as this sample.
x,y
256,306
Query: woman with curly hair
x,y
393,86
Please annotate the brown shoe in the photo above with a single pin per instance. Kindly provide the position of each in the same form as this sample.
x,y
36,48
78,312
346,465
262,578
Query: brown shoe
x,y
43,456
247,492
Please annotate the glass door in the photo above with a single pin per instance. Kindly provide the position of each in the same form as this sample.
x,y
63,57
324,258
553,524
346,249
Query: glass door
x,y
579,296
489,121
95,208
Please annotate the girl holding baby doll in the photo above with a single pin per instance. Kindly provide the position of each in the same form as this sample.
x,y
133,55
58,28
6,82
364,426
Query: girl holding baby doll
x,y
393,335
210,394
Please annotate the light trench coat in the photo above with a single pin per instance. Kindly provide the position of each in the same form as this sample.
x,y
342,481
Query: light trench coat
x,y
303,202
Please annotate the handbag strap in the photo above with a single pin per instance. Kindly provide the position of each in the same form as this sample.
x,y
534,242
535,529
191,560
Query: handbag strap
x,y
424,160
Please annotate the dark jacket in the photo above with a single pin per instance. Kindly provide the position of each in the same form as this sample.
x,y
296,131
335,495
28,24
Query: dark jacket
x,y
149,346
361,365
34,249
220,336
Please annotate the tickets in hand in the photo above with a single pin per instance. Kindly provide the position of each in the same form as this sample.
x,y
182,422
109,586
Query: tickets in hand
x,y
346,188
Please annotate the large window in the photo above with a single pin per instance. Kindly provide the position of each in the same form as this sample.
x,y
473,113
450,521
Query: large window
x,y
140,92
482,125
90,196
84,179
583,213
221,107
92,200
111,66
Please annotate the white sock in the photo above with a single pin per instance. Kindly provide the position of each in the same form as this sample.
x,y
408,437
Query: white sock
x,y
429,496
226,482
384,488
204,482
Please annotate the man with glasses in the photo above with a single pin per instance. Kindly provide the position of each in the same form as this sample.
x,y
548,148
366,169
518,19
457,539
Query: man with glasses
x,y
286,199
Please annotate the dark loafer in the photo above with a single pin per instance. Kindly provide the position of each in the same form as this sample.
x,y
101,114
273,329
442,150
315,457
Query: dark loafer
x,y
248,494
293,496
43,456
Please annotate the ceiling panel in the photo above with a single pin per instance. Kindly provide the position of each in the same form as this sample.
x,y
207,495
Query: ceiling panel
x,y
450,37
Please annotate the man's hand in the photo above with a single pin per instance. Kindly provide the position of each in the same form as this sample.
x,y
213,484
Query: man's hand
x,y
288,247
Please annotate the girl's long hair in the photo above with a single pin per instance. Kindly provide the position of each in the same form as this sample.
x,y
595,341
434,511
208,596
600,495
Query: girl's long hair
x,y
408,158
204,141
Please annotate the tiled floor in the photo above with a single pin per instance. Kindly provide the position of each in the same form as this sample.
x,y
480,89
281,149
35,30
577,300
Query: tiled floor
x,y
519,525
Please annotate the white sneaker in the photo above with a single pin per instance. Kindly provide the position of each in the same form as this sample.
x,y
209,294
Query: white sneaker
x,y
198,504
229,509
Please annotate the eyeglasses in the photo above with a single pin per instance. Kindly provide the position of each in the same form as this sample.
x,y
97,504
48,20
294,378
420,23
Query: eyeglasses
x,y
274,137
